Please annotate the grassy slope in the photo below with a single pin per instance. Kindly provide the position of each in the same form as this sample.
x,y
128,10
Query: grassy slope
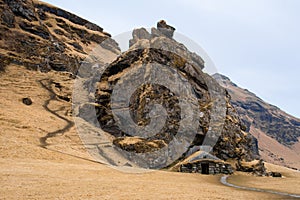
x,y
30,172
289,183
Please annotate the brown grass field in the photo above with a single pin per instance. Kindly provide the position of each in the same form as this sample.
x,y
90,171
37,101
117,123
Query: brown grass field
x,y
67,171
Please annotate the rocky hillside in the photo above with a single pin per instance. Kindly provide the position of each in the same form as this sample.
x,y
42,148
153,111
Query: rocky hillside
x,y
39,36
159,47
45,38
277,132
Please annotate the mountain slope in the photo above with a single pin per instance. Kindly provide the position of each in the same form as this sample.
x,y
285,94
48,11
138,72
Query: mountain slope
x,y
41,153
40,36
277,132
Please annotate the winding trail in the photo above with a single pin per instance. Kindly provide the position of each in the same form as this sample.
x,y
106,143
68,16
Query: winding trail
x,y
223,180
47,86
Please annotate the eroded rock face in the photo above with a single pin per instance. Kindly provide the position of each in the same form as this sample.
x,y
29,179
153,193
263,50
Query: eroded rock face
x,y
234,142
139,34
69,16
8,18
147,95
45,37
22,8
157,47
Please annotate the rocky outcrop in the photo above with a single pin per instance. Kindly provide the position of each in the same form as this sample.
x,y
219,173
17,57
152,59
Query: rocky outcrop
x,y
256,167
42,37
158,47
69,16
165,29
23,9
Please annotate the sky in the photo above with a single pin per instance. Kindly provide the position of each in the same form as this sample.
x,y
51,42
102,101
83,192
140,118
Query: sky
x,y
256,43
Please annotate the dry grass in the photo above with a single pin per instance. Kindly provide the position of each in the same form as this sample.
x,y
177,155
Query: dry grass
x,y
290,182
28,171
267,145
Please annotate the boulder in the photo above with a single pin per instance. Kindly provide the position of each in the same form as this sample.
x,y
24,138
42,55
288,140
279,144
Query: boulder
x,y
27,101
275,174
256,167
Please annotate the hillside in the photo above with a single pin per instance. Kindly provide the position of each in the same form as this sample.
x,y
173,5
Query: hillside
x,y
64,170
276,131
42,37
43,153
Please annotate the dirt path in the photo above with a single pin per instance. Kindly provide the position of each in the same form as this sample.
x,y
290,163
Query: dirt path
x,y
223,180
47,86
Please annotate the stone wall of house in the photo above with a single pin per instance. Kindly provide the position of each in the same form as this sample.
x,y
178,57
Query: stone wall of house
x,y
214,167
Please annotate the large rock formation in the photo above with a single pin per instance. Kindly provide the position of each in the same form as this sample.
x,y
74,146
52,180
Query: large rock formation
x,y
158,47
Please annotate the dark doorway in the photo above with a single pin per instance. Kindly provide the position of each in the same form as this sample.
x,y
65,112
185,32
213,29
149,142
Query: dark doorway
x,y
204,168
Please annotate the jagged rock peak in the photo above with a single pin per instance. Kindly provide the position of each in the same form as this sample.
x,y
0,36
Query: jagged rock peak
x,y
161,38
165,29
